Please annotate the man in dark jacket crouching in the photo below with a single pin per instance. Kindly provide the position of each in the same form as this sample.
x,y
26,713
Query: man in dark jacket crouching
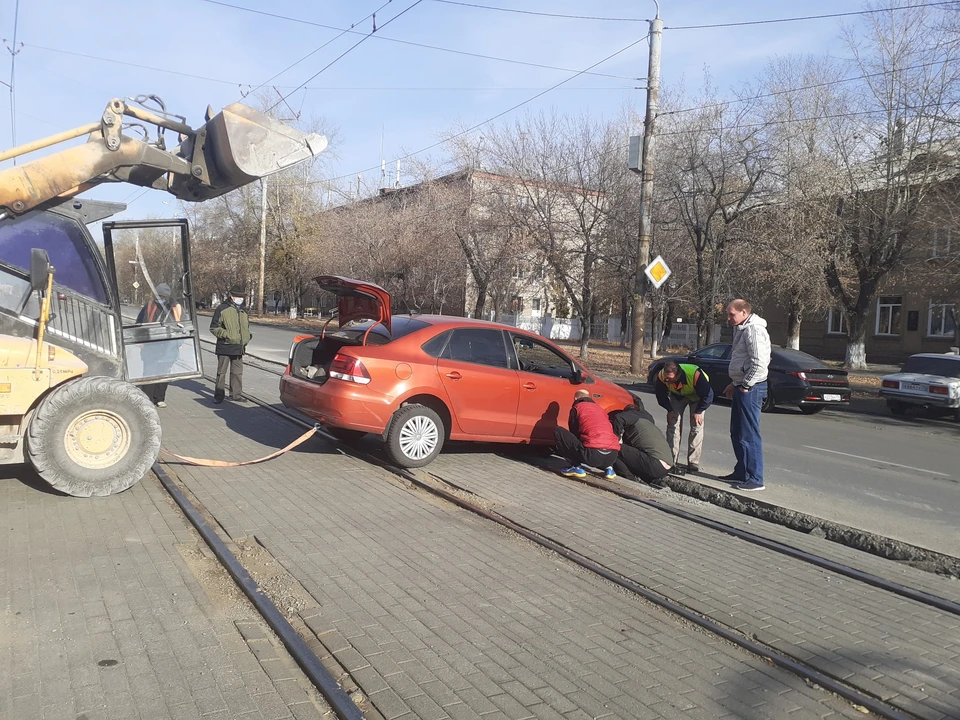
x,y
231,326
644,452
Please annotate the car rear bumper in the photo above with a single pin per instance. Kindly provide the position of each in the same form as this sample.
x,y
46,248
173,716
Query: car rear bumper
x,y
813,396
928,400
338,403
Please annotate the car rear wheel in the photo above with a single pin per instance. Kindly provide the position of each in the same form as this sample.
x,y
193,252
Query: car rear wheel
x,y
897,407
768,402
810,409
415,436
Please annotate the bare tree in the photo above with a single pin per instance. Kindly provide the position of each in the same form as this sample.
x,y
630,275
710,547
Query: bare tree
x,y
895,148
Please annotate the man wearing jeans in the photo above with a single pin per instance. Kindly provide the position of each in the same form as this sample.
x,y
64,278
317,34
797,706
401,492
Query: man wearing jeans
x,y
749,360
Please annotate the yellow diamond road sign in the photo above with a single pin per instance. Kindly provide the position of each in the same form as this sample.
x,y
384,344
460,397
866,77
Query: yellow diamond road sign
x,y
135,284
657,271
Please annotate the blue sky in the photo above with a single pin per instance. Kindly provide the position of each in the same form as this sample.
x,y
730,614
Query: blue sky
x,y
77,54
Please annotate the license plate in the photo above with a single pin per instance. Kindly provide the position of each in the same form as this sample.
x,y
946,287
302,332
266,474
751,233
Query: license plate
x,y
832,398
913,386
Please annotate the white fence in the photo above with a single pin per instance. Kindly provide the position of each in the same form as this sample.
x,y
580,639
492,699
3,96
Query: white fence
x,y
681,334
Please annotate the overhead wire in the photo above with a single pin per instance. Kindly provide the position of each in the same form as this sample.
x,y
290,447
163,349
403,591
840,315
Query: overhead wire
x,y
347,51
540,14
409,42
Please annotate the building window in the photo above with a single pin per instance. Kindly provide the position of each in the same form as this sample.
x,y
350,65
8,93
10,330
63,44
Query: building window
x,y
836,322
940,321
516,304
888,315
535,306
517,272
940,245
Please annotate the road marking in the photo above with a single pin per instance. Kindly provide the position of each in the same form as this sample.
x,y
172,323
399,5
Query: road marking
x,y
861,457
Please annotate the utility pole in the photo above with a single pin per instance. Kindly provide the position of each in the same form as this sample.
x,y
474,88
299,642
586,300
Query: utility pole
x,y
646,196
263,242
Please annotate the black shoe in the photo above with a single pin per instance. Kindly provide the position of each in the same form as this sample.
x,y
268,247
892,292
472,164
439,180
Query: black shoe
x,y
731,478
217,399
691,467
677,470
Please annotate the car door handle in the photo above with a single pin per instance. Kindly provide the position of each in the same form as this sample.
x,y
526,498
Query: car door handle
x,y
529,386
454,375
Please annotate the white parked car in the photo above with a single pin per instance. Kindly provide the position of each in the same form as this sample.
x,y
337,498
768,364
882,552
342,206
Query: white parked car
x,y
927,380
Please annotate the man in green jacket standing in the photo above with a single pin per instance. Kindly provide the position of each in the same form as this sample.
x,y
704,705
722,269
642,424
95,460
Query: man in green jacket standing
x,y
231,327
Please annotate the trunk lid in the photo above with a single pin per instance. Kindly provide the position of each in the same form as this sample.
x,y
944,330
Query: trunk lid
x,y
357,300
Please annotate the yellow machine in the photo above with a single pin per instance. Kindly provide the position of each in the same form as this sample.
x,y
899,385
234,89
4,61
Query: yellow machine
x,y
70,351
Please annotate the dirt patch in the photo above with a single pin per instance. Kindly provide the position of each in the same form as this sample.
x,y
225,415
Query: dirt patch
x,y
290,597
220,588
884,547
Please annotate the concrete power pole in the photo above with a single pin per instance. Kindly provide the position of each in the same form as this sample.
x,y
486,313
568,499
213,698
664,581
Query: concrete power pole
x,y
263,243
646,196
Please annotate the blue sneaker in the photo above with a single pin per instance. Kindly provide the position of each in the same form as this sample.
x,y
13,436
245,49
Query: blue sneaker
x,y
610,474
749,487
573,471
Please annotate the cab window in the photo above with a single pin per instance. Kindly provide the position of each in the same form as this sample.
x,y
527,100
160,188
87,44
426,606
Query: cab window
x,y
75,267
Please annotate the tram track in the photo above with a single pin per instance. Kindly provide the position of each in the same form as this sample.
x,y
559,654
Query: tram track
x,y
450,492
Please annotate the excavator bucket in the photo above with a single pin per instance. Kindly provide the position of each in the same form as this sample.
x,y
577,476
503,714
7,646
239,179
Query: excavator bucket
x,y
240,145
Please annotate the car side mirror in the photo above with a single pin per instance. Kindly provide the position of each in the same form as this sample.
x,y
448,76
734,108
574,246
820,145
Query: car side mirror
x,y
39,269
577,378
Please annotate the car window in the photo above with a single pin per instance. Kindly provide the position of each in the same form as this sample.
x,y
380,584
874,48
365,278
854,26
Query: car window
x,y
537,357
945,366
799,359
477,345
713,352
434,346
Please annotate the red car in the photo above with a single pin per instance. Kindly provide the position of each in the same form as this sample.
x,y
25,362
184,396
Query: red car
x,y
419,380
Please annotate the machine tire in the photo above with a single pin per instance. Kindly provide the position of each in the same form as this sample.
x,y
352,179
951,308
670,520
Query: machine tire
x,y
123,440
415,437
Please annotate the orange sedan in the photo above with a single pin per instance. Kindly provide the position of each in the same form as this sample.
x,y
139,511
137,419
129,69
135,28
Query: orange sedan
x,y
419,380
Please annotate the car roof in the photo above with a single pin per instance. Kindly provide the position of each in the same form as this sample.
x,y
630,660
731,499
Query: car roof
x,y
948,356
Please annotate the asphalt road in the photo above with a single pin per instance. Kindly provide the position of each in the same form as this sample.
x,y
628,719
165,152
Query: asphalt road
x,y
893,476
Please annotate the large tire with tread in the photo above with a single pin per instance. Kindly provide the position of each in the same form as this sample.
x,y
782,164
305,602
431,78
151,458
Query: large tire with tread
x,y
94,436
415,437
811,409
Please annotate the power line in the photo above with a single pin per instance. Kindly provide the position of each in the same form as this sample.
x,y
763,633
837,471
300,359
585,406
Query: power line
x,y
542,14
349,49
313,52
806,17
410,42
14,51
498,115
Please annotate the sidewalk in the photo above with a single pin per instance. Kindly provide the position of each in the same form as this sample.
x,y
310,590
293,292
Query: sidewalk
x,y
113,608
436,613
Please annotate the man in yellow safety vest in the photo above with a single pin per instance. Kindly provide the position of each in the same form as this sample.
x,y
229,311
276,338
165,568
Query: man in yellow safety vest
x,y
678,387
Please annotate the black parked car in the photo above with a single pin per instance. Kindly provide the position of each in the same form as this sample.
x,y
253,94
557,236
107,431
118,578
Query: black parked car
x,y
794,378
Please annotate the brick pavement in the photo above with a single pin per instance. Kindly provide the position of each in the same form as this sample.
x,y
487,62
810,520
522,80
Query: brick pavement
x,y
897,649
103,617
439,614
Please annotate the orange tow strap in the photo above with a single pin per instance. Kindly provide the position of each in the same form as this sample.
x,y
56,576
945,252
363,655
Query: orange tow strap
x,y
223,463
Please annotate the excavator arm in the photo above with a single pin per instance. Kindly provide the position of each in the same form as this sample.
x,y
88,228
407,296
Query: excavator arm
x,y
233,148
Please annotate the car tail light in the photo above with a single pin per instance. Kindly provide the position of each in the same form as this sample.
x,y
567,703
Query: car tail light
x,y
891,384
939,390
349,368
800,374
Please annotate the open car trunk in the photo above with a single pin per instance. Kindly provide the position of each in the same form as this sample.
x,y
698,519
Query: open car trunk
x,y
356,301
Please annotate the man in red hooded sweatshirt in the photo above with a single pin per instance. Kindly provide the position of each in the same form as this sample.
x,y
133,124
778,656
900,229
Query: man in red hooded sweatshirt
x,y
590,439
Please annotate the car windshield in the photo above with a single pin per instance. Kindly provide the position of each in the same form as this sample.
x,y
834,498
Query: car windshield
x,y
943,366
379,334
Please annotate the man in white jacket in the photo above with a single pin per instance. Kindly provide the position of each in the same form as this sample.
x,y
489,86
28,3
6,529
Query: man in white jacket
x,y
749,360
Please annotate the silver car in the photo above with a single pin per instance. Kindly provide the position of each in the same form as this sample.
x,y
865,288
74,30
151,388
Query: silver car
x,y
927,380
